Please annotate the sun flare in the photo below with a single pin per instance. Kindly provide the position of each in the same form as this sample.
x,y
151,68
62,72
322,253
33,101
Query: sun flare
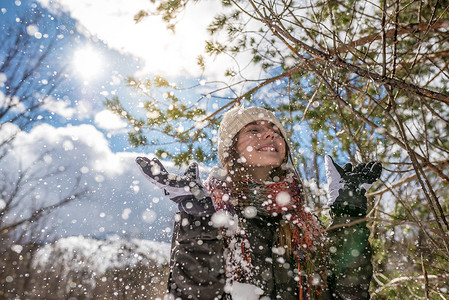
x,y
87,62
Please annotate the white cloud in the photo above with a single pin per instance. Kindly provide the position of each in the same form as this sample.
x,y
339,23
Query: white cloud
x,y
84,109
109,121
56,157
13,103
59,107
3,79
163,52
7,131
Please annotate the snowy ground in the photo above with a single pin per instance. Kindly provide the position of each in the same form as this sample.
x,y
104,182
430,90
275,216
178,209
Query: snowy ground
x,y
101,255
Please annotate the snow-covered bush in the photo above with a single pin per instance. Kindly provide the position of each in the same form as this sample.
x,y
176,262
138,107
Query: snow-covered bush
x,y
87,268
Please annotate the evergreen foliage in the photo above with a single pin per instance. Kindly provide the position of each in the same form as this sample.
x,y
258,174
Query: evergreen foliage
x,y
370,82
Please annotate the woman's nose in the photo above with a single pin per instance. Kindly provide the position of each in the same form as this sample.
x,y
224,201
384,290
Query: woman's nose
x,y
269,133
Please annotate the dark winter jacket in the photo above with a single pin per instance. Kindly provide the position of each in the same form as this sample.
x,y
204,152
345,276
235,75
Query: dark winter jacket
x,y
197,265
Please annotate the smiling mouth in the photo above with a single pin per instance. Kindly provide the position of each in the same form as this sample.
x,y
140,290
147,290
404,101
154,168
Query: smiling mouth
x,y
267,149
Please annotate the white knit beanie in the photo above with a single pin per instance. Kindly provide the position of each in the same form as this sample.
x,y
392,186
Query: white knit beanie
x,y
237,118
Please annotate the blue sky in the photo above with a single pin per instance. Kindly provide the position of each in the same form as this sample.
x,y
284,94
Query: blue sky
x,y
108,46
101,45
79,99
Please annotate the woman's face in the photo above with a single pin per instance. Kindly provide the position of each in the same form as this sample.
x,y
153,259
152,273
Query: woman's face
x,y
261,146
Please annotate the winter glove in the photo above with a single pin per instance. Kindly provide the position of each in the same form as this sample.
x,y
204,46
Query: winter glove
x,y
186,190
347,186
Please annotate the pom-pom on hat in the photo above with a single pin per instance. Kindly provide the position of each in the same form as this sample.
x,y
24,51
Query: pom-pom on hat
x,y
237,118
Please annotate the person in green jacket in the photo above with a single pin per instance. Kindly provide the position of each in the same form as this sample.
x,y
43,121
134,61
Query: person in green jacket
x,y
246,233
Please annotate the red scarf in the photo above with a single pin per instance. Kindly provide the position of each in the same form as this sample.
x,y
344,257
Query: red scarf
x,y
241,200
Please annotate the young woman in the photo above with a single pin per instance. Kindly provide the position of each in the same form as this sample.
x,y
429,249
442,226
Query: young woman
x,y
247,234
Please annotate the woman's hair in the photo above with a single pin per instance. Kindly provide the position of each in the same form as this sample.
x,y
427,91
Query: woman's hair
x,y
239,175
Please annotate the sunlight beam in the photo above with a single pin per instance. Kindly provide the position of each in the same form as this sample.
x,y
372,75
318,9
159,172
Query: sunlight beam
x,y
87,62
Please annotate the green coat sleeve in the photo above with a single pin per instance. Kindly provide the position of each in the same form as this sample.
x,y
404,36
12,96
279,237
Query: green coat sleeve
x,y
350,257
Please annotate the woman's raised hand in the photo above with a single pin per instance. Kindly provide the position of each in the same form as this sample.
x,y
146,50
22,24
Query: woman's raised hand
x,y
186,190
347,186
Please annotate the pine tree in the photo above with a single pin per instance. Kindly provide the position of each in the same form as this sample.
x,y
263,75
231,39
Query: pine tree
x,y
368,79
